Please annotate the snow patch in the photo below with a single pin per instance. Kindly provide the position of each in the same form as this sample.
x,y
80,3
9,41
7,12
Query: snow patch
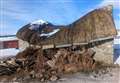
x,y
39,22
117,38
118,61
117,41
5,53
50,34
36,24
8,38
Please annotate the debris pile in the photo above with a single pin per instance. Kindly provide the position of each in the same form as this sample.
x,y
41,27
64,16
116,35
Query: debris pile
x,y
48,64
8,67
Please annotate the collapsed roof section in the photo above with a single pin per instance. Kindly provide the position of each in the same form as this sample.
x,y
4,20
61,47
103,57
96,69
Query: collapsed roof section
x,y
95,26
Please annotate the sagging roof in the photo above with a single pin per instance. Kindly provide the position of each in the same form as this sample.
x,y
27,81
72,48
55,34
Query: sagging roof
x,y
96,25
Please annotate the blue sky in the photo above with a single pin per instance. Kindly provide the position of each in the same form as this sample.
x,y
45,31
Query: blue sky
x,y
16,13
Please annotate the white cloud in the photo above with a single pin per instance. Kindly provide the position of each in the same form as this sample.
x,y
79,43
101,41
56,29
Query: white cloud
x,y
11,9
14,10
17,11
115,3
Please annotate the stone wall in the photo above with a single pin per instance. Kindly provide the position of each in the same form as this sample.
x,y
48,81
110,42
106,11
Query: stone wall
x,y
104,52
23,44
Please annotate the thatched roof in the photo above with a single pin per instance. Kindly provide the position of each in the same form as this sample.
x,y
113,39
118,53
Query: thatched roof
x,y
96,25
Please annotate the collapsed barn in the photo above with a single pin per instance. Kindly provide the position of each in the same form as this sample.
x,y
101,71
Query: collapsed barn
x,y
52,50
96,29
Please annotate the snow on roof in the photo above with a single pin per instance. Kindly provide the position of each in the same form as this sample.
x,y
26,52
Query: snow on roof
x,y
4,53
8,38
50,34
40,22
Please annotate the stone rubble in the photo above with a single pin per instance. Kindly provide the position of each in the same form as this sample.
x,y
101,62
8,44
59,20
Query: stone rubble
x,y
34,63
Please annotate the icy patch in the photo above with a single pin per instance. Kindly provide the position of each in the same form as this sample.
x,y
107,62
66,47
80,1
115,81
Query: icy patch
x,y
50,34
39,22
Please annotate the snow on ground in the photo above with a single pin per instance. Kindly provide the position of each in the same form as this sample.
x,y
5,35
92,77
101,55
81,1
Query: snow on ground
x,y
117,47
117,38
8,38
118,61
111,77
5,53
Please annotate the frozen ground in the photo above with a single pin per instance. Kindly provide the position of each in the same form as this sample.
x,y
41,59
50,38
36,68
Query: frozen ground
x,y
112,77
